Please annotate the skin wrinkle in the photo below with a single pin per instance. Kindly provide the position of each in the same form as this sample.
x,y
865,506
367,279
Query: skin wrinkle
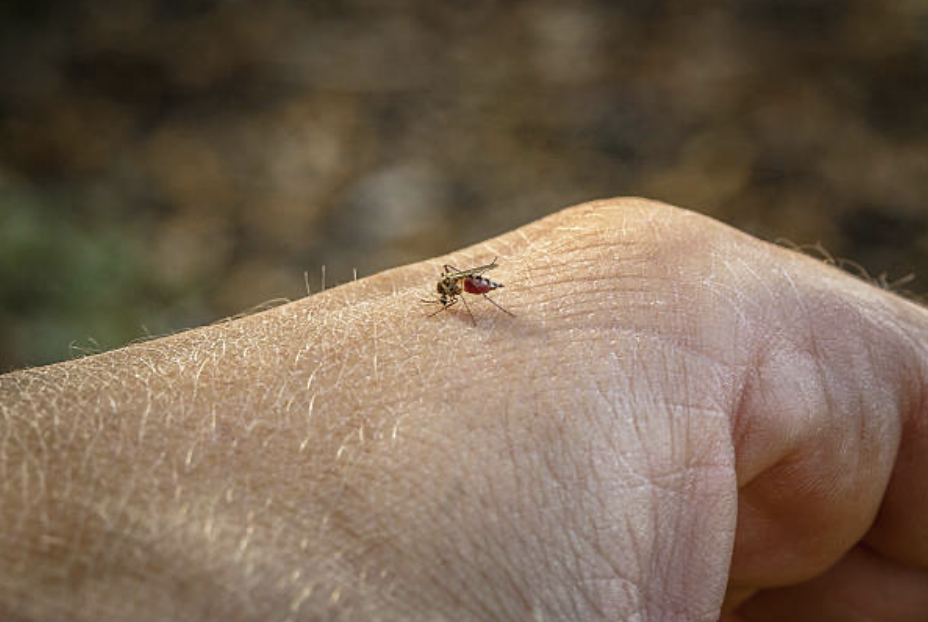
x,y
734,293
585,597
554,479
508,497
475,549
616,579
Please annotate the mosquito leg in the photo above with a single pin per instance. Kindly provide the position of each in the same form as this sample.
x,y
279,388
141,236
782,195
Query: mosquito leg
x,y
443,306
466,306
499,306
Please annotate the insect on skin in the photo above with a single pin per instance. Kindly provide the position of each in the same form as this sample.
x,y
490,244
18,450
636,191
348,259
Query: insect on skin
x,y
453,283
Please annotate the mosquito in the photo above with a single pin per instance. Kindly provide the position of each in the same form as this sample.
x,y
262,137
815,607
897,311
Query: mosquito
x,y
454,282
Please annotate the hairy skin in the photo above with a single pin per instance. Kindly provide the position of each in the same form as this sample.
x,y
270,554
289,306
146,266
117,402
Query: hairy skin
x,y
681,422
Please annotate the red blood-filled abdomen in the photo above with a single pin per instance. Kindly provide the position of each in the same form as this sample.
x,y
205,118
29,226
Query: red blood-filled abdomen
x,y
479,285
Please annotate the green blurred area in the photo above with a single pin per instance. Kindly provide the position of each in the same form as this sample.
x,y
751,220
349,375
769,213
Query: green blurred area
x,y
68,286
163,165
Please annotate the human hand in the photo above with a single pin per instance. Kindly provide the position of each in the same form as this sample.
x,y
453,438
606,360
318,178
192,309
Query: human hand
x,y
669,391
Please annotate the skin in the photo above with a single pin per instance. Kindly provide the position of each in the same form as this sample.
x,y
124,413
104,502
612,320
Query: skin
x,y
681,422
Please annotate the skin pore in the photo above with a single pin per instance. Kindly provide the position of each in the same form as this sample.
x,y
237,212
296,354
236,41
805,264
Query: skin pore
x,y
679,422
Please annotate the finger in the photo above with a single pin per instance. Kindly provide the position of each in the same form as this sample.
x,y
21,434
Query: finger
x,y
833,392
864,586
901,528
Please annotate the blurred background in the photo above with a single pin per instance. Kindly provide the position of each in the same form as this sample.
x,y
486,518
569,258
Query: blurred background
x,y
164,164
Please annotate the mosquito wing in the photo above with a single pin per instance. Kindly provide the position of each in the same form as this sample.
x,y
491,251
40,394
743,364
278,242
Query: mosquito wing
x,y
453,273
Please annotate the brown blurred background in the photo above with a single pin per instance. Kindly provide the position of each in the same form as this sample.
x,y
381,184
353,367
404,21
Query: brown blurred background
x,y
164,164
